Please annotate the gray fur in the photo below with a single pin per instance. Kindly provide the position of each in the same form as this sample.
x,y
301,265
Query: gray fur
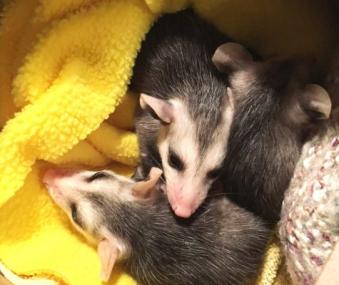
x,y
266,139
175,62
221,244
267,131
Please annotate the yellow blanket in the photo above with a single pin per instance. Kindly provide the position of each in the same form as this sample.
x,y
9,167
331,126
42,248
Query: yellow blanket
x,y
64,70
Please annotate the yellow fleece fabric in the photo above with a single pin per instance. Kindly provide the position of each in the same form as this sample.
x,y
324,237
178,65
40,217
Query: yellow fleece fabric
x,y
64,72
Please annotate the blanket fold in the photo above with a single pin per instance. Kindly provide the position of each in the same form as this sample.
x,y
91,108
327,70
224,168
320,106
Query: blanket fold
x,y
65,69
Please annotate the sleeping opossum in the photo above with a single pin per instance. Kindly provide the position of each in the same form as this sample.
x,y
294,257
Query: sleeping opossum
x,y
276,111
209,110
132,223
187,111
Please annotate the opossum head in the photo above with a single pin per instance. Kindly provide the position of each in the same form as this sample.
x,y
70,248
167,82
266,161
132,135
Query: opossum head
x,y
281,83
276,108
194,133
77,192
192,144
92,200
74,191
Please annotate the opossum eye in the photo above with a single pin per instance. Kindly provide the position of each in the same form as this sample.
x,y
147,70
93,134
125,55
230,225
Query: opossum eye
x,y
74,212
97,175
174,161
213,173
75,215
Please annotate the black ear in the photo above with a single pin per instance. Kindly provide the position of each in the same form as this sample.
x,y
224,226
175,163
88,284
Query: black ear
x,y
230,57
315,102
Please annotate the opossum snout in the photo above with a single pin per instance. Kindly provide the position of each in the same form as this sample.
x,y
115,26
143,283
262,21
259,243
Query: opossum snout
x,y
53,174
184,202
59,183
182,212
51,179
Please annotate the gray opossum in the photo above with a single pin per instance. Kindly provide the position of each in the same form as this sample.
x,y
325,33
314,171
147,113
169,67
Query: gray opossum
x,y
276,112
209,110
220,244
187,111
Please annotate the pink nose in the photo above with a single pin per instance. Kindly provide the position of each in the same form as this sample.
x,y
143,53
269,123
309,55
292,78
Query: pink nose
x,y
52,174
183,212
179,203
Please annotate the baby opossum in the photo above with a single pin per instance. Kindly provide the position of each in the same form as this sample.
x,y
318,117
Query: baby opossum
x,y
187,112
210,110
220,244
275,112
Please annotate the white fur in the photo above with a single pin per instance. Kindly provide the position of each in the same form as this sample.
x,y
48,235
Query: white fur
x,y
70,188
181,136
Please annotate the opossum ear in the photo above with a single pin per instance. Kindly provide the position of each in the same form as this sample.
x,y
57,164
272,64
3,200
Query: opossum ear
x,y
160,108
231,57
315,102
110,250
108,253
143,189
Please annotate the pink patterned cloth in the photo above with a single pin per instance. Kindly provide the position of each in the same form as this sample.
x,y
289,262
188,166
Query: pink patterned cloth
x,y
309,227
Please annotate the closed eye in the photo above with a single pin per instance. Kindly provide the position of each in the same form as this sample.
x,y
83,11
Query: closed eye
x,y
96,176
74,212
213,174
174,161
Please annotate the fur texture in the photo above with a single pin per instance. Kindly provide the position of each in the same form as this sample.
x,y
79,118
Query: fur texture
x,y
269,124
175,62
220,244
266,135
